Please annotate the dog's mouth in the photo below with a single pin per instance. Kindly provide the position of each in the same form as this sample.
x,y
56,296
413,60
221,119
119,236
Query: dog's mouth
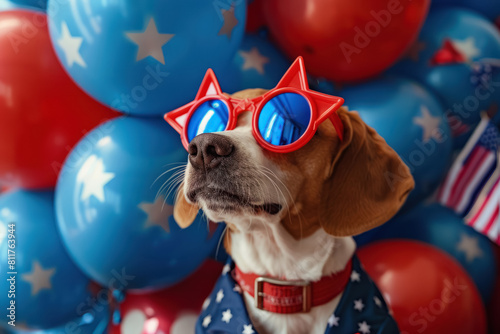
x,y
224,201
270,208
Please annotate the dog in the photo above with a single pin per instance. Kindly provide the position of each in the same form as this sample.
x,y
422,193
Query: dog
x,y
290,218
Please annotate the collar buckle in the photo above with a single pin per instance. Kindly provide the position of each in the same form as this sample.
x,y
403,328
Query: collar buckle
x,y
259,291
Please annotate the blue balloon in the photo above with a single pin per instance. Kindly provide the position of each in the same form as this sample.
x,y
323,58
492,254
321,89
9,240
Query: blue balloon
x,y
257,64
23,4
488,8
412,122
457,56
48,288
114,213
219,254
441,227
144,57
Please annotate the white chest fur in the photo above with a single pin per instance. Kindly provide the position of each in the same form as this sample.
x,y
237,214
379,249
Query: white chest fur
x,y
269,250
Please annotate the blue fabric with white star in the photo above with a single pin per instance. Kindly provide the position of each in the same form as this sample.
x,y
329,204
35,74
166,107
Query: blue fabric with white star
x,y
362,308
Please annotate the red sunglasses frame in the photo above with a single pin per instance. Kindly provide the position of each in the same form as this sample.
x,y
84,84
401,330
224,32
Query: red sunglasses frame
x,y
322,107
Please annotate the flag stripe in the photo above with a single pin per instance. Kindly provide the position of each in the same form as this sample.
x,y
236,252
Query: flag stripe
x,y
492,219
463,178
473,198
474,220
492,233
485,170
487,209
445,191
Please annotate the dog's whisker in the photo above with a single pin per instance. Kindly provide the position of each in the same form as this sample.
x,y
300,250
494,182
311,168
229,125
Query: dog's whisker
x,y
165,184
280,193
267,232
272,174
269,177
278,190
299,215
168,171
167,195
172,179
220,241
175,171
260,187
250,225
174,184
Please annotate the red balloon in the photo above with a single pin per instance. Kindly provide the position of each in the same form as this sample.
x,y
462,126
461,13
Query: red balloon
x,y
255,16
173,310
345,40
494,304
42,112
426,289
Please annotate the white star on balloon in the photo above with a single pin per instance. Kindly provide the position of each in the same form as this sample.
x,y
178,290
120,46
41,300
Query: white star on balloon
x,y
467,47
206,304
39,278
355,277
206,321
226,316
94,178
158,213
377,301
470,247
247,329
254,59
220,296
150,42
364,327
226,269
70,45
358,305
333,321
133,322
237,289
429,124
184,324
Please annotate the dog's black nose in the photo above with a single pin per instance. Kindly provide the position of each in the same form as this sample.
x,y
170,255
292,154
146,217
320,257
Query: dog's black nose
x,y
208,150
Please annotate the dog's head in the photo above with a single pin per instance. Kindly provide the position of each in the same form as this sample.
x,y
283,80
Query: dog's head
x,y
344,186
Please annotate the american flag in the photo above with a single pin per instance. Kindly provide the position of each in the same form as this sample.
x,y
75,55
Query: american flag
x,y
472,169
485,219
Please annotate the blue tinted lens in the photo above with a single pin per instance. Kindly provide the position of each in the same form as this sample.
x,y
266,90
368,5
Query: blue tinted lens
x,y
211,116
284,119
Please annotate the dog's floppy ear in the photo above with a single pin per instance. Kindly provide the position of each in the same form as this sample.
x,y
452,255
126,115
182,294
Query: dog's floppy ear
x,y
367,184
184,212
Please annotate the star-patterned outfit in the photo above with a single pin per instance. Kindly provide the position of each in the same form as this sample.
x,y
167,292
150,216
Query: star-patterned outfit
x,y
362,308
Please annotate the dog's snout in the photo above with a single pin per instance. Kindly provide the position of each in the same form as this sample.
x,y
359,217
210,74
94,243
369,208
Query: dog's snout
x,y
209,149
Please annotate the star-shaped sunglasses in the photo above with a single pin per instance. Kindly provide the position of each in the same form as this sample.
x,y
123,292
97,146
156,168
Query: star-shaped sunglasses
x,y
284,119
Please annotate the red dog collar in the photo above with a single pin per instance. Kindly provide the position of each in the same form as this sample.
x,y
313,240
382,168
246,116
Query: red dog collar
x,y
285,297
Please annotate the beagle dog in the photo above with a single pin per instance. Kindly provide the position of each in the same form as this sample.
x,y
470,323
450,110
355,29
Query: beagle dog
x,y
290,219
